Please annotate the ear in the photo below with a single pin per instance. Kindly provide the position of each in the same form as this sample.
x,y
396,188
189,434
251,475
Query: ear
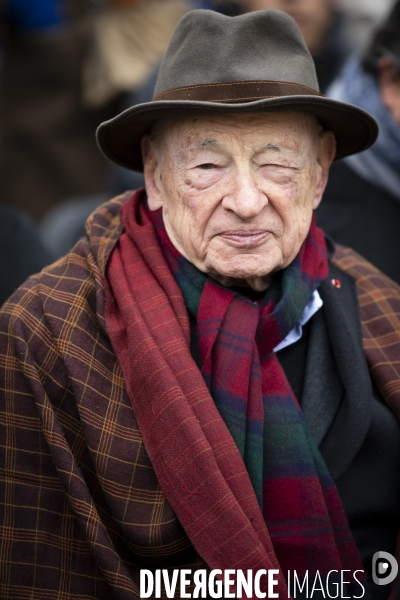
x,y
325,155
389,86
152,173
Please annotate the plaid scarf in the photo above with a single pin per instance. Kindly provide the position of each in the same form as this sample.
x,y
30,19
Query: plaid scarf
x,y
297,496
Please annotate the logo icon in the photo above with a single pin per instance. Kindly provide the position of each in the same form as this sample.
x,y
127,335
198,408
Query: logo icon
x,y
384,568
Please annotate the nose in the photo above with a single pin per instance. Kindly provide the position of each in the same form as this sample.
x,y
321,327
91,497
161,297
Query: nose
x,y
245,198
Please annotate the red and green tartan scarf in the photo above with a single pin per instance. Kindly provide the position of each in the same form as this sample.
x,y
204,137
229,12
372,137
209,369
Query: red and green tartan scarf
x,y
298,499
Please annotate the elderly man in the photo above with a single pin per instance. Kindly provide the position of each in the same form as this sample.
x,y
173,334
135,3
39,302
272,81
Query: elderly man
x,y
188,389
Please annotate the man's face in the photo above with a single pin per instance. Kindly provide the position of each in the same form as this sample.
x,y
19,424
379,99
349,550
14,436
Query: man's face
x,y
238,191
314,17
389,85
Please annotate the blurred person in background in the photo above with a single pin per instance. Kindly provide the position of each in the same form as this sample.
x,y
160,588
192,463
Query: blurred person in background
x,y
361,205
47,152
127,41
361,18
66,66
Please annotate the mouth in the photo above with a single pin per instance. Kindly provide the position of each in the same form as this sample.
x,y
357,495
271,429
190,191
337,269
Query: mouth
x,y
245,239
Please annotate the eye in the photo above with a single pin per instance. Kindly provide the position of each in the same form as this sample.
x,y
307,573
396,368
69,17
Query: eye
x,y
206,166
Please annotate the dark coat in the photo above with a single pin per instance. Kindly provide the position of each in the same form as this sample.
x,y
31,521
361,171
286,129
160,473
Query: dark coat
x,y
363,216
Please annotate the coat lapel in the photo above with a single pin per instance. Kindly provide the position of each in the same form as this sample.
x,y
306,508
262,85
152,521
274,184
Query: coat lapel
x,y
337,394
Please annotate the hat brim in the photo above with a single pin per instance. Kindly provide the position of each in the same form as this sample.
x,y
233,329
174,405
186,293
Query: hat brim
x,y
119,138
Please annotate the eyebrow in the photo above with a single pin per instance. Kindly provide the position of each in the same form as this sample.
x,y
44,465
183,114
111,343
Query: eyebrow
x,y
269,147
212,144
205,144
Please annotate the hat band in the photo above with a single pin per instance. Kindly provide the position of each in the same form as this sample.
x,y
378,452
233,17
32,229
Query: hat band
x,y
236,91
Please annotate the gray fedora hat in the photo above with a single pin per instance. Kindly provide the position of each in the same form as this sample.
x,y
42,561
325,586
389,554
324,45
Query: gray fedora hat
x,y
217,64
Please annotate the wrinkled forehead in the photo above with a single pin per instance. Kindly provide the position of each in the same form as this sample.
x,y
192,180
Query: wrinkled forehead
x,y
293,130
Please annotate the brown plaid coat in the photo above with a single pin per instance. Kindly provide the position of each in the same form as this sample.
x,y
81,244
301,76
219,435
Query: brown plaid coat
x,y
81,510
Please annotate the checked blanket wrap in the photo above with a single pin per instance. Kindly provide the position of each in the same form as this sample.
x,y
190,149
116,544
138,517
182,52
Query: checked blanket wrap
x,y
306,528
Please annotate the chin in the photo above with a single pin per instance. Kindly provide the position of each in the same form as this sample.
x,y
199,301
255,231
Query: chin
x,y
240,272
247,266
